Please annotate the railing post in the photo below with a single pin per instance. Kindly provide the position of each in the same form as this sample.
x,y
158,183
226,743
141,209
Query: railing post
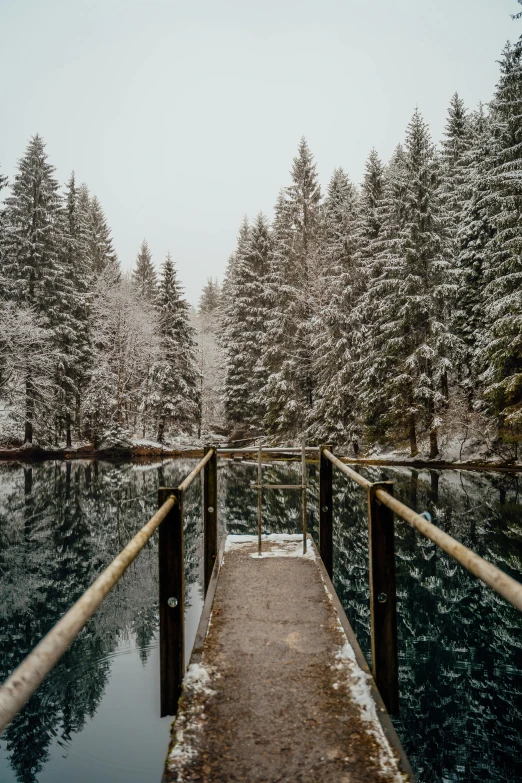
x,y
383,600
171,602
209,515
325,510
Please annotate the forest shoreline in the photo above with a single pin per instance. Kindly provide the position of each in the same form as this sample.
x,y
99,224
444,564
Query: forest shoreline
x,y
140,453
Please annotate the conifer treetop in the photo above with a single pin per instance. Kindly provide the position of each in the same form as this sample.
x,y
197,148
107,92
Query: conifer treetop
x,y
144,273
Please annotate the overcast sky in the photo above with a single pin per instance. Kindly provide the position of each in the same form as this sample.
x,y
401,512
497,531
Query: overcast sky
x,y
184,116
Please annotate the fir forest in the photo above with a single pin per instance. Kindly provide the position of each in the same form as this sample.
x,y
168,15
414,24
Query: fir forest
x,y
388,313
380,314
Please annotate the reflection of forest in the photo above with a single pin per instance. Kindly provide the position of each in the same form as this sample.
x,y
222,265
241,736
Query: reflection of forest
x,y
460,646
60,525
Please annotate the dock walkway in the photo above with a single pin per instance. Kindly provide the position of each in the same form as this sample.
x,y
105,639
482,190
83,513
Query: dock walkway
x,y
277,688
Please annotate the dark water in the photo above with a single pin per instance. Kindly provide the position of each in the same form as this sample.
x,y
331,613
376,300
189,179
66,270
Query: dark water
x,y
96,716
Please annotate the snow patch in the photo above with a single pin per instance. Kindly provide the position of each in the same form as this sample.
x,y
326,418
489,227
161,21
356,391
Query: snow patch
x,y
197,678
289,550
289,545
357,682
190,723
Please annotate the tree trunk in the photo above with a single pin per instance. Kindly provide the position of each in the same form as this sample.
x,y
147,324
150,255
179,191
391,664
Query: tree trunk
x,y
355,445
68,438
444,386
434,446
161,429
413,436
78,417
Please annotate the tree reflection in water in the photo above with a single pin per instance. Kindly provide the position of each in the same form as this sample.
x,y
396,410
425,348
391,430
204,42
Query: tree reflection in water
x,y
459,643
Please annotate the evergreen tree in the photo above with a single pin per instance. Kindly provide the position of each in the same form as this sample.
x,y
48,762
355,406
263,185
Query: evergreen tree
x,y
338,327
246,319
211,360
293,281
415,287
456,143
3,281
176,387
369,222
453,177
499,350
236,397
73,334
475,229
210,299
32,244
382,267
101,251
144,274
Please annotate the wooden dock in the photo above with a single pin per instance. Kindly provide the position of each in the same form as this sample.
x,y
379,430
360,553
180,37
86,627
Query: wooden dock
x,y
277,688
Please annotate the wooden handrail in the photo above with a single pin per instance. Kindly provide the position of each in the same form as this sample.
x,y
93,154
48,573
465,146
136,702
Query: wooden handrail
x,y
199,467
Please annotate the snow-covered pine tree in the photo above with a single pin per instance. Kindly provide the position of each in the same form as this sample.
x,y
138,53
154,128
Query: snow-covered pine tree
x,y
101,250
3,282
381,261
414,342
278,407
246,321
144,274
428,344
456,142
210,357
337,332
473,234
175,393
32,243
369,233
210,299
453,176
370,206
73,332
499,350
236,391
293,282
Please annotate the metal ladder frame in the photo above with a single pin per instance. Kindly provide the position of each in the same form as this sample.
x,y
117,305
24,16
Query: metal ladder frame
x,y
260,487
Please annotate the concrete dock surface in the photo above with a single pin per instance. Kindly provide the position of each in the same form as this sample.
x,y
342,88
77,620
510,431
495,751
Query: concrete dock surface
x,y
278,691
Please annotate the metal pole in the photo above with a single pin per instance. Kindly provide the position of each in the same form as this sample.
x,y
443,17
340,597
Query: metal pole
x,y
383,600
171,602
259,496
209,516
303,492
325,510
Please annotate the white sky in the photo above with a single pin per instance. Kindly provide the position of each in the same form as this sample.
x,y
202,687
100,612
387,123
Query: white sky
x,y
182,116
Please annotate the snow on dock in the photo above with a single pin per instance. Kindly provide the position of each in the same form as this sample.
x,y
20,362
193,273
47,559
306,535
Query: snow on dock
x,y
279,690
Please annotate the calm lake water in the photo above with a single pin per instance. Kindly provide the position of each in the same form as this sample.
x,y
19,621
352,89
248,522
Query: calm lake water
x,y
96,716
